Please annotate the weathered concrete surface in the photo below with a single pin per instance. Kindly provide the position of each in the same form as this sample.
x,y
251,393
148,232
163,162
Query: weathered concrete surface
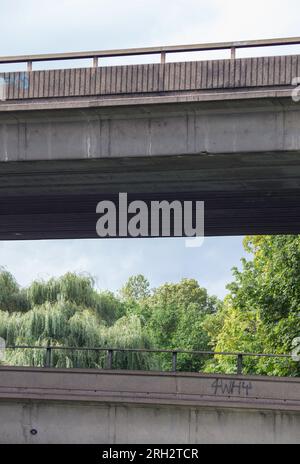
x,y
166,130
127,407
241,157
225,132
81,423
185,77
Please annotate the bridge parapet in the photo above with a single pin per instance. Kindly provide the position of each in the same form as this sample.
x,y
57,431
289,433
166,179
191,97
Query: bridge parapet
x,y
39,406
164,78
244,73
128,387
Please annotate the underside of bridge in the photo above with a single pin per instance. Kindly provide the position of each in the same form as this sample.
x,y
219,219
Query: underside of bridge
x,y
249,194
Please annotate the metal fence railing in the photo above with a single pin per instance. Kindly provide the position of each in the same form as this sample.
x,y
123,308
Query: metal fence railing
x,y
108,355
162,51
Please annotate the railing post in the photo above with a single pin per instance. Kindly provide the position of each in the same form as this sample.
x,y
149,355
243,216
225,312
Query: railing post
x,y
29,66
48,356
95,62
233,53
174,361
240,364
110,359
163,57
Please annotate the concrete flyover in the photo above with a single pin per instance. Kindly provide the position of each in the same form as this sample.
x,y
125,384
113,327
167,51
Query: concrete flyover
x,y
223,131
111,407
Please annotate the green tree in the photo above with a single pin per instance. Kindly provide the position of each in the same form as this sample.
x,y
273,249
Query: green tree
x,y
137,289
78,289
175,314
12,297
70,312
261,313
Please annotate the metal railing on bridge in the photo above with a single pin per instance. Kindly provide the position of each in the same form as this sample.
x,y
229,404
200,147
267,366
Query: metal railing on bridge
x,y
162,51
108,356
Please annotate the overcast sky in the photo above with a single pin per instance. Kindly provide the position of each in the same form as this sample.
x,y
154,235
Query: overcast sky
x,y
35,26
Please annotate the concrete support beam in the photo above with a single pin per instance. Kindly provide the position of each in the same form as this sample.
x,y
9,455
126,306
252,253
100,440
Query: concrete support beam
x,y
256,126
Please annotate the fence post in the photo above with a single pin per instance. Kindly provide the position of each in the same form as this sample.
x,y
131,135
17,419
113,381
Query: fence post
x,y
48,356
174,361
110,359
240,364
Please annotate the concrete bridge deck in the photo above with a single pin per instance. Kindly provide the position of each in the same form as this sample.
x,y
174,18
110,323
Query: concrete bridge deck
x,y
226,132
90,406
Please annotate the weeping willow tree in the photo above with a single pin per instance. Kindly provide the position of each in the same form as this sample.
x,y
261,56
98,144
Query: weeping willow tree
x,y
128,332
64,324
78,289
70,287
69,312
12,297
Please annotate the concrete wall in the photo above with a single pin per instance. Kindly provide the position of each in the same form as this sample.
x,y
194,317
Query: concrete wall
x,y
95,423
115,407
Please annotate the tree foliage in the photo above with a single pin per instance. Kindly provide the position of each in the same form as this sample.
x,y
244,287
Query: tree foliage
x,y
12,298
174,315
69,312
136,289
261,312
